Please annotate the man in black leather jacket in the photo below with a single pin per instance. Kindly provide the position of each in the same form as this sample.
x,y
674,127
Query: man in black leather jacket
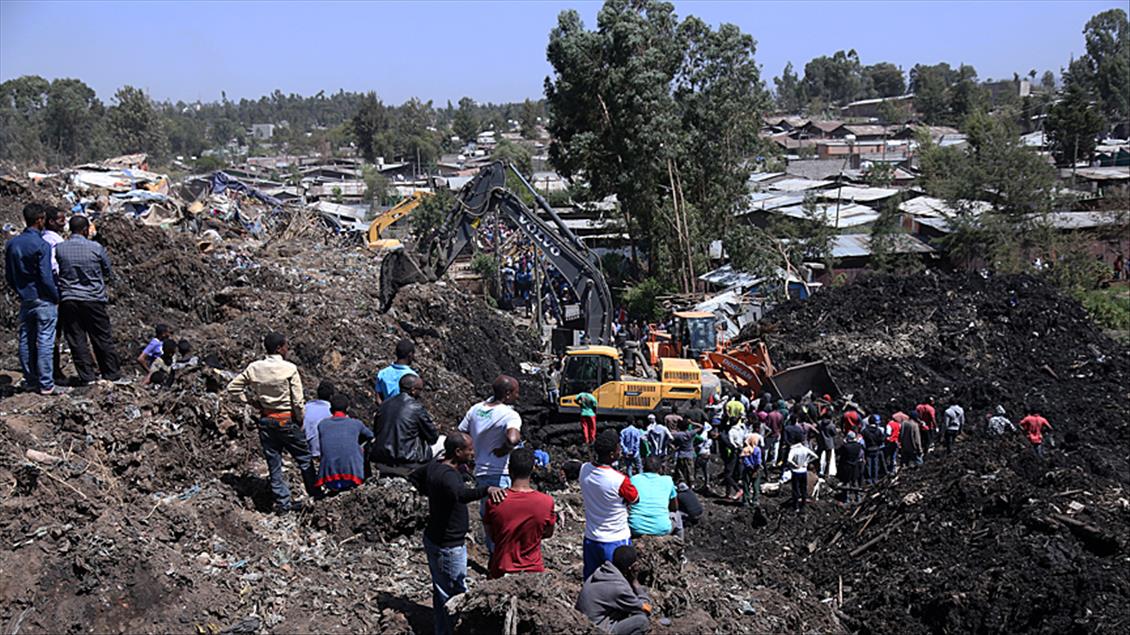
x,y
405,431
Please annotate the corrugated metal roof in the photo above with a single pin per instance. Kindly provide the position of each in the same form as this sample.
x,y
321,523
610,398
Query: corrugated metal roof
x,y
859,245
1088,220
856,193
850,215
937,208
797,185
1113,173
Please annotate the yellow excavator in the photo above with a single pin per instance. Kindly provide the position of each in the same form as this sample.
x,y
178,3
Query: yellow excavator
x,y
390,216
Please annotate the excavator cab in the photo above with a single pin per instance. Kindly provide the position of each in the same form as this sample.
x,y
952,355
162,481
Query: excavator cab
x,y
692,335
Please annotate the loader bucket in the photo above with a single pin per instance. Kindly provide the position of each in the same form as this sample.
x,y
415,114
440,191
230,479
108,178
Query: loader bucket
x,y
795,382
399,269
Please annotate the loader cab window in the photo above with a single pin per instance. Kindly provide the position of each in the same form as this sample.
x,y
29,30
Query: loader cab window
x,y
585,373
700,334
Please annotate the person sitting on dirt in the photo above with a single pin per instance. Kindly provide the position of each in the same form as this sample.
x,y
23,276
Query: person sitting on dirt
x,y
910,440
518,524
927,422
185,358
954,418
607,494
156,347
340,437
161,369
630,439
496,429
405,431
275,387
798,459
1033,426
388,379
613,598
999,423
690,507
658,435
651,516
751,470
873,439
317,410
587,403
445,533
851,468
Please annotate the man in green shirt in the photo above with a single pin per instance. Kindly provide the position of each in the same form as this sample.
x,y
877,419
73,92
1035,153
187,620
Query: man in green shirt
x,y
587,404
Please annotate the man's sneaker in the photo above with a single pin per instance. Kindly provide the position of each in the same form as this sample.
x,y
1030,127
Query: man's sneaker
x,y
57,390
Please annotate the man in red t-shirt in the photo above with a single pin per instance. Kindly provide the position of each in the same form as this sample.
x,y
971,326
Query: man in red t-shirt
x,y
928,420
1033,425
520,522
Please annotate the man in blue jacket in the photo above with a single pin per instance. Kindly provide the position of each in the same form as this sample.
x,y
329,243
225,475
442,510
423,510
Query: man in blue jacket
x,y
28,270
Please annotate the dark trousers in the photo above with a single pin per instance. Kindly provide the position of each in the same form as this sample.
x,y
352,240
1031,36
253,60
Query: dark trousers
x,y
702,466
948,439
684,471
730,466
799,483
290,438
89,320
875,465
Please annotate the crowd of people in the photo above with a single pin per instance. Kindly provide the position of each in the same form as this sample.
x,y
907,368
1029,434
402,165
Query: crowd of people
x,y
739,439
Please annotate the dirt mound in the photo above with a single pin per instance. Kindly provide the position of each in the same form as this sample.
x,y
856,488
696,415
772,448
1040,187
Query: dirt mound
x,y
534,603
384,509
988,539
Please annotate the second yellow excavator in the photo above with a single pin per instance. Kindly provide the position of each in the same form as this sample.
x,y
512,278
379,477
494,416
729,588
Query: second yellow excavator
x,y
390,216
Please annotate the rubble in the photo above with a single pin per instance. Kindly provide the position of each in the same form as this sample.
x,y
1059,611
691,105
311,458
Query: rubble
x,y
136,509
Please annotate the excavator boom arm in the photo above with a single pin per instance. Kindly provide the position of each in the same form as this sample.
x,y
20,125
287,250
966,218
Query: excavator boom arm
x,y
393,214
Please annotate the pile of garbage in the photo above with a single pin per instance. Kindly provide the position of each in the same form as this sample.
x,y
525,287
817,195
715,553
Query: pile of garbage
x,y
990,538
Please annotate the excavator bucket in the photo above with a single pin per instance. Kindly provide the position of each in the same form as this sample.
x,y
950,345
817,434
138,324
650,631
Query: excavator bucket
x,y
399,269
746,366
795,382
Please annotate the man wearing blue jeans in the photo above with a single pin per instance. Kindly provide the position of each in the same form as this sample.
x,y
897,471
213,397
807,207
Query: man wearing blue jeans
x,y
496,429
446,531
28,269
607,493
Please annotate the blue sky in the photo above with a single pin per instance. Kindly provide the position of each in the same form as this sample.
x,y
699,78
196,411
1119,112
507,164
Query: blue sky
x,y
491,51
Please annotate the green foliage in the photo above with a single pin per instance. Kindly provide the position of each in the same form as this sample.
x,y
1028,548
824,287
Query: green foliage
x,y
1104,71
137,126
1072,125
370,121
946,95
1110,308
514,153
466,124
642,300
885,79
209,164
879,174
661,113
486,265
790,97
528,121
431,213
835,80
376,185
998,169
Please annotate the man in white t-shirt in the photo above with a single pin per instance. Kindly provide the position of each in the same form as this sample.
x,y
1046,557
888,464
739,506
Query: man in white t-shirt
x,y
495,430
607,494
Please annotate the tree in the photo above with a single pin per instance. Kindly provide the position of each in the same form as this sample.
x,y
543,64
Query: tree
x,y
835,80
23,103
136,126
72,117
1105,69
886,79
431,213
466,122
528,120
368,124
930,85
995,169
789,96
1072,126
514,153
611,114
1047,82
